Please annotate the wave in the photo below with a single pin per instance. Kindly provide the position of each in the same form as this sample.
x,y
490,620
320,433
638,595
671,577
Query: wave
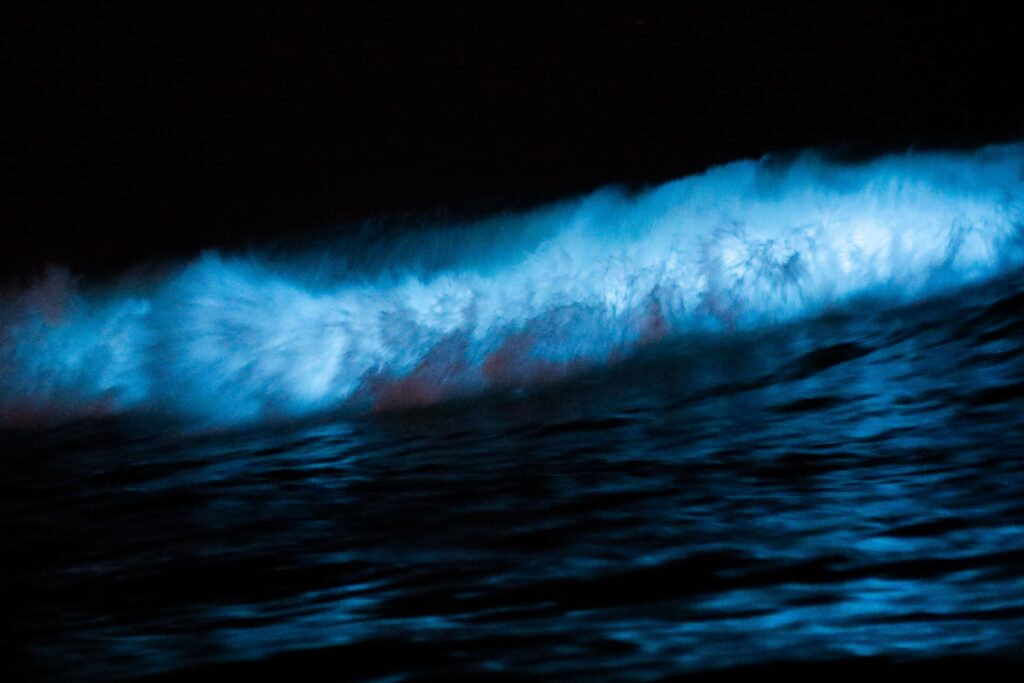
x,y
514,301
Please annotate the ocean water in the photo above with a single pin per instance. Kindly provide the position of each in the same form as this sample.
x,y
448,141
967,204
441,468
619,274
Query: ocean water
x,y
771,413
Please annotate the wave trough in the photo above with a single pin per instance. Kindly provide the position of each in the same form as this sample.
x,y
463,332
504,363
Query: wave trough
x,y
515,301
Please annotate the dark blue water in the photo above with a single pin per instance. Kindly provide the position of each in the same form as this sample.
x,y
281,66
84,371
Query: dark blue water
x,y
844,486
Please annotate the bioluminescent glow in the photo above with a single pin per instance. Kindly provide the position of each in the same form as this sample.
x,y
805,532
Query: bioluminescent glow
x,y
517,300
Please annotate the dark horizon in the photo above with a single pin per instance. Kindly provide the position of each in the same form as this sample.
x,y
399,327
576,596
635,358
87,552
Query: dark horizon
x,y
150,134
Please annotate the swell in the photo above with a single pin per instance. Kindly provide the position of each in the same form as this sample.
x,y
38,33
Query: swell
x,y
515,301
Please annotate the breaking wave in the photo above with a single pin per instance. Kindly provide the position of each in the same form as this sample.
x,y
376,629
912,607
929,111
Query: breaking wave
x,y
514,301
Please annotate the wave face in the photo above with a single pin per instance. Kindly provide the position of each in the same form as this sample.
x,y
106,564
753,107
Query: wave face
x,y
514,301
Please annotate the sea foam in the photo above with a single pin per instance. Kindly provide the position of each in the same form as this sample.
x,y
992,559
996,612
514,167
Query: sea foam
x,y
513,301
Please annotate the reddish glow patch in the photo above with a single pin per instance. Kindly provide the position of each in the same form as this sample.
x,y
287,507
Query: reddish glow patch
x,y
512,365
653,326
443,371
38,414
504,367
51,296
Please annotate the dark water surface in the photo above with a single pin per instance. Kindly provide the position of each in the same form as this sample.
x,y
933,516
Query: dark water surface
x,y
848,486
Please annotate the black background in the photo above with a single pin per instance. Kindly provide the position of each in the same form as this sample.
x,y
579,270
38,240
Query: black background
x,y
143,132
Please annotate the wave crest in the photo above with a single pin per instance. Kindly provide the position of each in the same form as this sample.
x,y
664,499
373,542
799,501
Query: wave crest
x,y
570,286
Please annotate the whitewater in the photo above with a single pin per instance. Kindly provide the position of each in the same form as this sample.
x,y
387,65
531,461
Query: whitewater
x,y
512,302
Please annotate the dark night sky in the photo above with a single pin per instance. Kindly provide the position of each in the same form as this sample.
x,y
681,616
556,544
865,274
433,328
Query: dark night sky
x,y
143,133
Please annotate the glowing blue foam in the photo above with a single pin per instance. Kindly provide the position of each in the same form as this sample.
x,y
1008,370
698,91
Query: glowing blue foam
x,y
519,299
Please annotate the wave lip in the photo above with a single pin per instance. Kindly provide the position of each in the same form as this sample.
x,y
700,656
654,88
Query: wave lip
x,y
574,285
